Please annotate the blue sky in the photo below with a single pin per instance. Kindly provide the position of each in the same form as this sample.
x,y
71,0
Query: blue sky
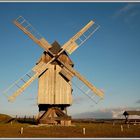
x,y
109,59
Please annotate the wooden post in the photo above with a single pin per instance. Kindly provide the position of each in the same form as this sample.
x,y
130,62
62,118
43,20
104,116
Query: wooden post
x,y
84,131
121,128
21,130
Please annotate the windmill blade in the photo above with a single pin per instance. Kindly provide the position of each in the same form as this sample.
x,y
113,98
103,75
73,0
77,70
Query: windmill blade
x,y
70,46
86,90
83,79
28,29
20,85
78,39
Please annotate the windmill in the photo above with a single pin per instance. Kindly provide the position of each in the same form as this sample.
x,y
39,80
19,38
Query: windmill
x,y
54,71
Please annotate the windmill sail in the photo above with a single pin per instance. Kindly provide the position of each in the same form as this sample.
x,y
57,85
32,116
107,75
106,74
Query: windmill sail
x,y
28,29
20,85
83,79
78,39
85,90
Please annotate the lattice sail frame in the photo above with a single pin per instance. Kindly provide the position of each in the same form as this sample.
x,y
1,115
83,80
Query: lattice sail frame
x,y
70,46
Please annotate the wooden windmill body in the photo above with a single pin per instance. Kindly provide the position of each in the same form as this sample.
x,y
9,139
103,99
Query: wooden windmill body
x,y
54,90
54,71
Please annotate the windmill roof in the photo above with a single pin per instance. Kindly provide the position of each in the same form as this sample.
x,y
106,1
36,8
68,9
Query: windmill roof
x,y
55,49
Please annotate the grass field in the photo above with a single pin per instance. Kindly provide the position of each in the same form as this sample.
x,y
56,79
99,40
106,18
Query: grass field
x,y
92,130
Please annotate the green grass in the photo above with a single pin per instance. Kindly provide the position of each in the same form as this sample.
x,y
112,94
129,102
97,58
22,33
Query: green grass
x,y
93,130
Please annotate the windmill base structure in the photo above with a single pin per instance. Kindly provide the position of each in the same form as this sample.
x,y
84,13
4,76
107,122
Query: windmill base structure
x,y
55,115
54,71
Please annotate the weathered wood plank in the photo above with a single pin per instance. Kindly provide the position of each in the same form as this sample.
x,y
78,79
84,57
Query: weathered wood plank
x,y
51,92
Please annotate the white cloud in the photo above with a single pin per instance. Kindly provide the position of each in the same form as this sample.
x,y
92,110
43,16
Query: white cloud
x,y
106,113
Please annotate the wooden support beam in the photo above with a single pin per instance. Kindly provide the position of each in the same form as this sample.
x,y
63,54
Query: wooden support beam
x,y
41,42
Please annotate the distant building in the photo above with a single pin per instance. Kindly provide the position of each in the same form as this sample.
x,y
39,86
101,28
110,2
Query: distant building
x,y
131,115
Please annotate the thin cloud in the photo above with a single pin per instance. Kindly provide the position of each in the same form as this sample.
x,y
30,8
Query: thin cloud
x,y
95,114
124,10
128,14
107,113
